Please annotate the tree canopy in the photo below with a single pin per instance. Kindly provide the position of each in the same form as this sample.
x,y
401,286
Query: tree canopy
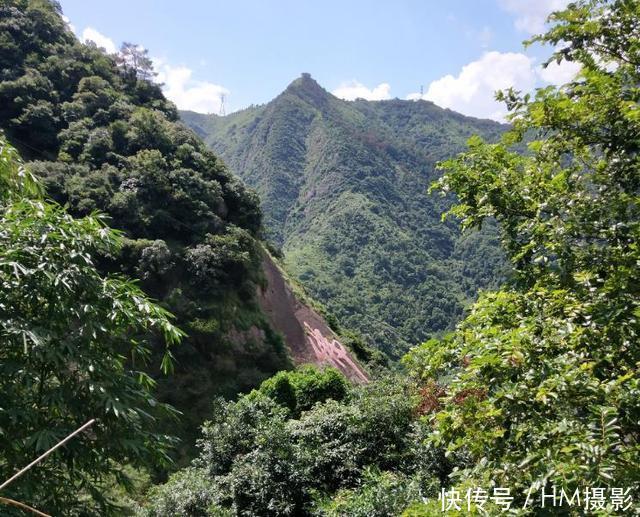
x,y
102,136
539,385
71,351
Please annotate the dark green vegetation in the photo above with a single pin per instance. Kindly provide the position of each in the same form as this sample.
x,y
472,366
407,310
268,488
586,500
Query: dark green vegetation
x,y
66,332
258,457
103,137
343,190
538,387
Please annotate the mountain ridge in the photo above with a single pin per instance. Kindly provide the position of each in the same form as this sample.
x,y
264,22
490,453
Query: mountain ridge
x,y
343,191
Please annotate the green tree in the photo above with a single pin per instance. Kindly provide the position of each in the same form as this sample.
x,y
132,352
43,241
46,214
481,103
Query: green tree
x,y
540,384
102,137
260,458
301,389
70,348
134,59
380,495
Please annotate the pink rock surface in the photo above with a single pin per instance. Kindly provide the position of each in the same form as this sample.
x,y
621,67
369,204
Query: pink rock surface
x,y
306,333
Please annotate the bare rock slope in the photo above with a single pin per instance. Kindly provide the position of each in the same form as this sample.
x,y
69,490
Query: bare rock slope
x,y
307,335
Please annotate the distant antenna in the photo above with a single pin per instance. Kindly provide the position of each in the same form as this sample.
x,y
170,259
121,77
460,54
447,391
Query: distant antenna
x,y
222,112
421,90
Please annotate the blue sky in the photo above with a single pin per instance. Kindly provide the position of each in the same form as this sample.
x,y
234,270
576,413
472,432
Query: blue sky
x,y
460,51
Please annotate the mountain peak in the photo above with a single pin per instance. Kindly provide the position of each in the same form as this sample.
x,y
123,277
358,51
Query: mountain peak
x,y
342,186
307,88
304,81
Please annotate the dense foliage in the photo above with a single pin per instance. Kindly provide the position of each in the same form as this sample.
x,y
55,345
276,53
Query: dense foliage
x,y
299,391
540,384
102,136
537,389
343,190
259,457
66,333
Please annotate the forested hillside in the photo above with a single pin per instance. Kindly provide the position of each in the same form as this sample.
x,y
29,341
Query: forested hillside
x,y
531,406
103,137
343,187
133,278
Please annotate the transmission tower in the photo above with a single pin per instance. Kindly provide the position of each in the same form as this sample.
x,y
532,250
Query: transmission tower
x,y
222,112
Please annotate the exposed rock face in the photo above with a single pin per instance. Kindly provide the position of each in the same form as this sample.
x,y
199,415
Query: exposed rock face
x,y
306,333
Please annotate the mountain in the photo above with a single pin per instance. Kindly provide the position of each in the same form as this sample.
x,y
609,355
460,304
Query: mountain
x,y
103,137
343,188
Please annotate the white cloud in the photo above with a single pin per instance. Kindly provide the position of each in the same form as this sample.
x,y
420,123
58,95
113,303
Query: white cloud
x,y
353,90
188,93
531,15
559,73
102,41
472,91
